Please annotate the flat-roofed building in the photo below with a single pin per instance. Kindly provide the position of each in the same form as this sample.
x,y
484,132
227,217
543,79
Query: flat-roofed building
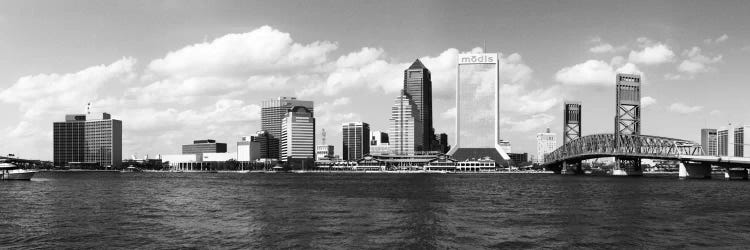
x,y
88,140
204,146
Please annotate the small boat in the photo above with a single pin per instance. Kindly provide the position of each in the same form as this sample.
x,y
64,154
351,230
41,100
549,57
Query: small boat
x,y
131,169
12,172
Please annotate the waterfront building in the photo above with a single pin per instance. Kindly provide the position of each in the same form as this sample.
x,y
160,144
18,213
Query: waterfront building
x,y
403,123
725,141
273,112
441,143
204,146
355,140
379,143
323,152
709,141
478,109
518,158
741,141
298,137
418,85
248,149
88,140
545,143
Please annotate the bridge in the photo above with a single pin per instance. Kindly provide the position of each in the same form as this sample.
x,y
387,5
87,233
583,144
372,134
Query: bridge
x,y
628,146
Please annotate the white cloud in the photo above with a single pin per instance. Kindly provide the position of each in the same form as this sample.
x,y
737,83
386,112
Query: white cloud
x,y
43,95
647,101
532,123
715,112
695,62
719,39
652,55
594,72
682,108
260,51
602,48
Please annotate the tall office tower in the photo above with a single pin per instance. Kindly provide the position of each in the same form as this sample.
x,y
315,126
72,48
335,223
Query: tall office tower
x,y
545,143
273,112
89,139
724,143
571,121
298,134
709,141
418,85
403,123
204,146
356,140
379,143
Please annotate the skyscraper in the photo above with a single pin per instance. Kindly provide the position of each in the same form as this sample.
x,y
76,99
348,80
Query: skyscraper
x,y
709,141
545,144
356,140
298,134
403,123
88,139
418,85
724,141
273,112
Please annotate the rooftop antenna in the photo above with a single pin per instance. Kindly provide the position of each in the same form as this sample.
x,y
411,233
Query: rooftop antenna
x,y
484,46
324,136
88,108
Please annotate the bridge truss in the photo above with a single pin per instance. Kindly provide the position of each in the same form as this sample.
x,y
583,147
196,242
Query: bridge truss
x,y
623,145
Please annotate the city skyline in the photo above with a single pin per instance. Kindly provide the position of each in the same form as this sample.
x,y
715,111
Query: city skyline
x,y
166,93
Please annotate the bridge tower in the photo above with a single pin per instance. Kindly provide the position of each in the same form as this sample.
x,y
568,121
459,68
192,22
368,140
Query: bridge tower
x,y
627,122
571,131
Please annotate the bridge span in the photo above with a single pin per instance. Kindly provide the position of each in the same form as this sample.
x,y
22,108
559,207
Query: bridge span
x,y
693,163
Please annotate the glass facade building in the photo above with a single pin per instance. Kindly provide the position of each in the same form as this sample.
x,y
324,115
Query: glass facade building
x,y
88,139
356,140
273,112
298,134
418,85
709,141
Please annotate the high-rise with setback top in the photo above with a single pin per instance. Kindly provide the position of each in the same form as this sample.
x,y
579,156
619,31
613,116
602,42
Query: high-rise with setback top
x,y
273,113
418,85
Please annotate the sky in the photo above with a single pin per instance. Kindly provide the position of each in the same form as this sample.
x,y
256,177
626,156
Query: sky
x,y
177,71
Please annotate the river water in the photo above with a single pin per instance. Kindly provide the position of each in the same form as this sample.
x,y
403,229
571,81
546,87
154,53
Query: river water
x,y
412,211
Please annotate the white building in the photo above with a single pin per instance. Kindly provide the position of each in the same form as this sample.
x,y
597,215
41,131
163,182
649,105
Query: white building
x,y
323,152
505,146
545,144
740,141
402,133
379,143
298,134
248,149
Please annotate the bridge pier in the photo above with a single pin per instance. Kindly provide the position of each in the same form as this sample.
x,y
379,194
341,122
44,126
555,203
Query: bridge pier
x,y
736,174
572,168
627,167
690,170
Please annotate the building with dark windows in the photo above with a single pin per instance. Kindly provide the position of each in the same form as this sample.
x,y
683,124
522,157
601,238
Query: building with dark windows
x,y
379,143
441,143
724,141
518,158
418,85
740,137
88,141
273,113
356,140
298,138
204,146
709,141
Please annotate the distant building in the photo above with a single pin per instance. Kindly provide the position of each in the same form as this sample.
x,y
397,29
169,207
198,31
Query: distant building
x,y
709,141
725,141
91,140
379,143
204,146
273,112
248,149
440,143
298,135
324,152
418,85
355,140
505,145
403,123
741,148
545,143
518,158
